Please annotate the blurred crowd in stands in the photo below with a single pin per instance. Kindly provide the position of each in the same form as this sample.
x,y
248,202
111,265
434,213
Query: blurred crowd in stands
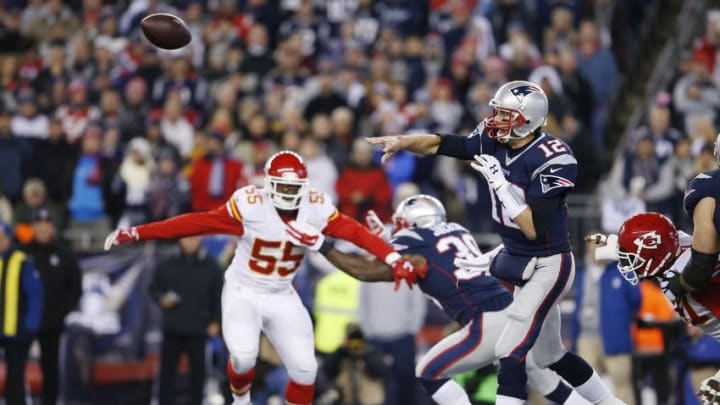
x,y
109,130
104,130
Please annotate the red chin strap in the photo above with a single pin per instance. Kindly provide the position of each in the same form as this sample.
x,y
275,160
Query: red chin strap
x,y
493,126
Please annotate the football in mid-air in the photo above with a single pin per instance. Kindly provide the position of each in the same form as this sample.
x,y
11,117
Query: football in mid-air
x,y
165,31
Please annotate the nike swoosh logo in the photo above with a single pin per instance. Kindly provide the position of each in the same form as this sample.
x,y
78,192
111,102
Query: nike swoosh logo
x,y
555,169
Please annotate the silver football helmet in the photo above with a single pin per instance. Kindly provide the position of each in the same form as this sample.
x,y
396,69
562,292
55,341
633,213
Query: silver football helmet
x,y
418,211
716,152
519,108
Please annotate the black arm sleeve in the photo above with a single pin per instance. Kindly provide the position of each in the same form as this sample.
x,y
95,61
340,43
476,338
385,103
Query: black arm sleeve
x,y
454,146
543,209
699,270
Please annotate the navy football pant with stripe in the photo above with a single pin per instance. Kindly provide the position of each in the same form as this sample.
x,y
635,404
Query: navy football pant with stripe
x,y
473,347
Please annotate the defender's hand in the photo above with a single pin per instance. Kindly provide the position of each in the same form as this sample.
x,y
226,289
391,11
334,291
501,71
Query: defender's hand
x,y
403,269
390,145
491,169
121,236
305,235
376,225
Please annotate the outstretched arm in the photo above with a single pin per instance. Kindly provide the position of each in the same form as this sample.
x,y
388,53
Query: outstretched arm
x,y
343,227
424,144
217,221
359,267
364,269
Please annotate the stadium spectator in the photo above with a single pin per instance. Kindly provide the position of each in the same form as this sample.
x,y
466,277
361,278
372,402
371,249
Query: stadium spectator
x,y
659,128
187,288
34,198
362,185
575,87
652,356
696,94
597,64
390,320
11,159
169,190
214,176
61,277
21,315
90,191
135,173
357,368
642,162
603,321
321,169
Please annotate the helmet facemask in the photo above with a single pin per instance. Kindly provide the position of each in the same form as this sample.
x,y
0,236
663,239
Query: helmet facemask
x,y
633,267
420,211
281,191
501,129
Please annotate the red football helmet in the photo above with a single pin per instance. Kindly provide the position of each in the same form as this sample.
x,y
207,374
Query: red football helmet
x,y
648,244
285,169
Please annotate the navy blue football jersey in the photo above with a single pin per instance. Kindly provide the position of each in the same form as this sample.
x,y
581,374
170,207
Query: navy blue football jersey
x,y
544,168
705,184
461,299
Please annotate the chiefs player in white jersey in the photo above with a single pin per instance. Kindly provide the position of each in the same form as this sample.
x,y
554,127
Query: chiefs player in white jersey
x,y
275,226
649,245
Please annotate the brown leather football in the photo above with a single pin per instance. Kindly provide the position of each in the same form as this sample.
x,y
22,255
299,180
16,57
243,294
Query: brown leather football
x,y
165,31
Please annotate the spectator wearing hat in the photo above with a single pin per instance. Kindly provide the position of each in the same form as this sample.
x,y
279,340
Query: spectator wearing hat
x,y
61,277
22,306
135,172
34,197
28,122
215,176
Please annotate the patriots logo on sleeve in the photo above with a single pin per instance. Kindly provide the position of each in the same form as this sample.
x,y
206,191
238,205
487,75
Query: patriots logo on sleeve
x,y
521,91
550,181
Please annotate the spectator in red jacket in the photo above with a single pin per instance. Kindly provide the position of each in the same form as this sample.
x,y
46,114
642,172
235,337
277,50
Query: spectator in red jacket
x,y
215,176
362,185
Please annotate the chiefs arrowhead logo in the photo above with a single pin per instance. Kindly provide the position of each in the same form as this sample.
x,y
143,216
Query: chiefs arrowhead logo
x,y
648,240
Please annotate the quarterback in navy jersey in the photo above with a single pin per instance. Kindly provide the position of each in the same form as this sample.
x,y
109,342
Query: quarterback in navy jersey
x,y
701,197
529,173
474,299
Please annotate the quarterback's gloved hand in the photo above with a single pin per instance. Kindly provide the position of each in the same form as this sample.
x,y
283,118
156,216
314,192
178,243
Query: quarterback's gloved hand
x,y
376,225
305,235
709,391
403,269
491,169
121,236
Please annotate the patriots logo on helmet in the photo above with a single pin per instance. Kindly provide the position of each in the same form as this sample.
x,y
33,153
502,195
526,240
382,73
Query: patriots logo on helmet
x,y
649,240
549,182
521,91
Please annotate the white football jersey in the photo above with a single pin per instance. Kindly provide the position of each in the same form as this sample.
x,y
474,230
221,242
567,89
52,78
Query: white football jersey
x,y
265,259
699,308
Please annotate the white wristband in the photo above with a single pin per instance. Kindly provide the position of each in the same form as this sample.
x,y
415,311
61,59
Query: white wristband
x,y
512,206
392,258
